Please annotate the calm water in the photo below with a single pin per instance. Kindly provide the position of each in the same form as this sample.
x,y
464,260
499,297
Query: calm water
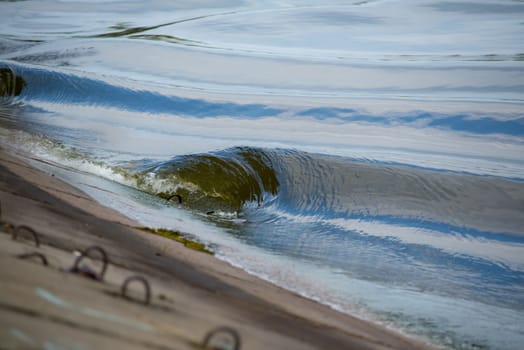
x,y
366,154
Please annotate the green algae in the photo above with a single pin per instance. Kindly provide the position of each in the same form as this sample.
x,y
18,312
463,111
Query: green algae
x,y
122,29
179,237
161,37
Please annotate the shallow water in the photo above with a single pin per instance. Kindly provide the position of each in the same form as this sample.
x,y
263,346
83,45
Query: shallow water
x,y
366,154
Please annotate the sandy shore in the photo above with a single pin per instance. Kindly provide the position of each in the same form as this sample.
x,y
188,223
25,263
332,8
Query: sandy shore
x,y
192,292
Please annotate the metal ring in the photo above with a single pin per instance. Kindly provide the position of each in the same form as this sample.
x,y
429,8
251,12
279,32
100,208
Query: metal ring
x,y
147,288
35,254
232,332
17,230
85,253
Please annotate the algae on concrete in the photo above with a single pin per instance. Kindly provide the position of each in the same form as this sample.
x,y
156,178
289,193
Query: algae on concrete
x,y
179,237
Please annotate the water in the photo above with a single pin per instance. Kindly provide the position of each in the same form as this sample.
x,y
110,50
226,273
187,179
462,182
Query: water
x,y
366,154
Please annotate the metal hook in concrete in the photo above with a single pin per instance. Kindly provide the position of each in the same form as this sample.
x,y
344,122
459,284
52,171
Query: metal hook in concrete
x,y
226,330
145,283
34,255
22,228
87,272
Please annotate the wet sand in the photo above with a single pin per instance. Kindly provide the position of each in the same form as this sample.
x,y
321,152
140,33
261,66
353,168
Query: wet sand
x,y
191,292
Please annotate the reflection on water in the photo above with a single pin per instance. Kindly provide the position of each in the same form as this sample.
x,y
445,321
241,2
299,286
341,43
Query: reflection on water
x,y
367,154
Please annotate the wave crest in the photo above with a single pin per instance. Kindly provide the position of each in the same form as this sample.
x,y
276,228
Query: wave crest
x,y
224,180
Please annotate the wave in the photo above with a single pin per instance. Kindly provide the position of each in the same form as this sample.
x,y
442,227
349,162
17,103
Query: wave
x,y
302,183
221,181
40,84
31,83
335,187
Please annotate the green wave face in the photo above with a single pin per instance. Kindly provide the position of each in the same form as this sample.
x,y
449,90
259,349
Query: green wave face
x,y
222,181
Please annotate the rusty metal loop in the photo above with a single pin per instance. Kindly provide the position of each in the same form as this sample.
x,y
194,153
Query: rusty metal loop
x,y
84,254
145,283
227,330
35,254
18,229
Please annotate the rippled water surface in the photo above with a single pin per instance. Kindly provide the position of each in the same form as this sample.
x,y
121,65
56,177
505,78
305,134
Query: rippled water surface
x,y
366,154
